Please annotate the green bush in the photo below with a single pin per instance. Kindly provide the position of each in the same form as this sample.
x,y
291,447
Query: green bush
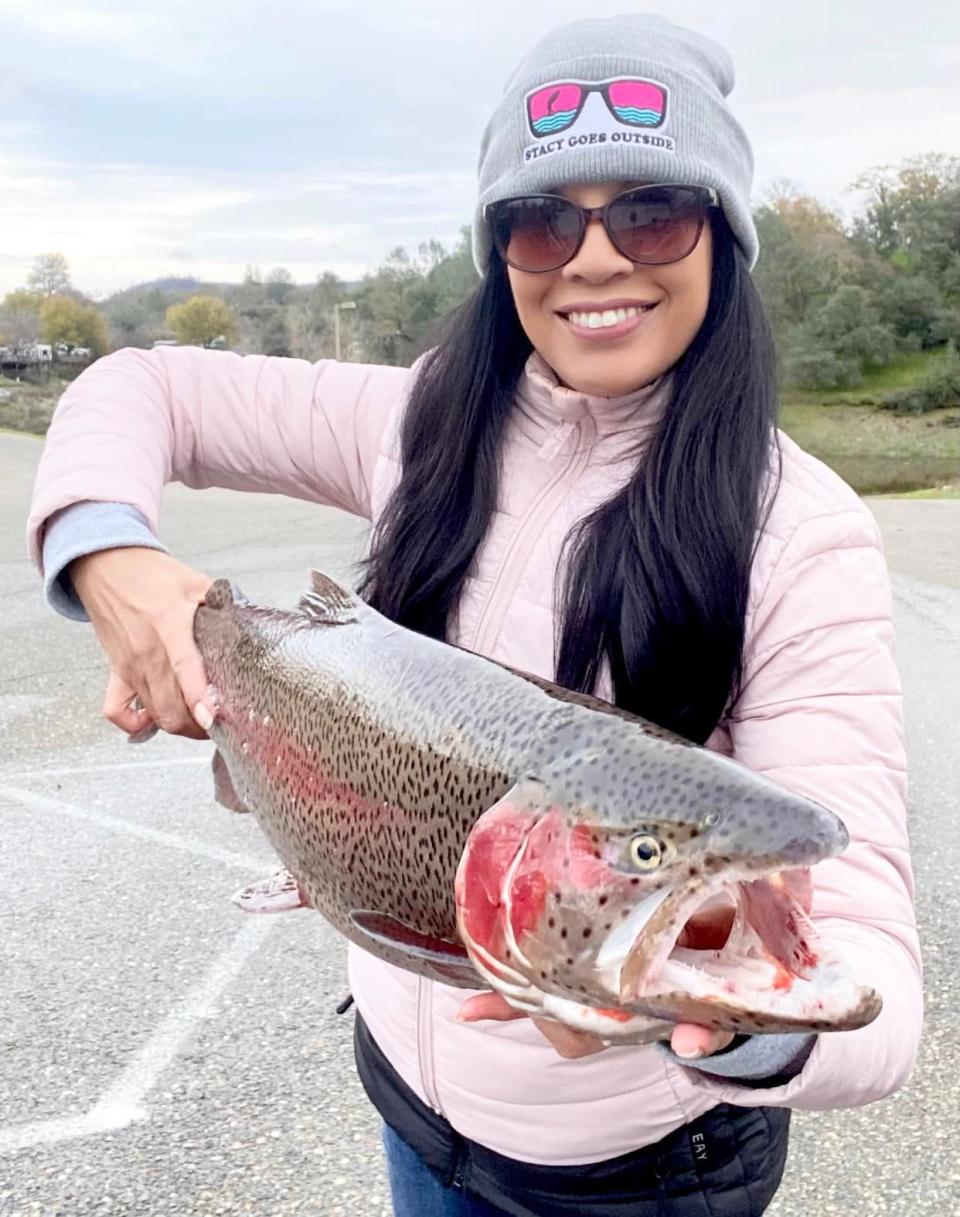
x,y
945,327
810,362
938,389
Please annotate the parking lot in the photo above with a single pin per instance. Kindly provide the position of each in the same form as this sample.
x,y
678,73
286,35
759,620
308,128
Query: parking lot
x,y
162,1054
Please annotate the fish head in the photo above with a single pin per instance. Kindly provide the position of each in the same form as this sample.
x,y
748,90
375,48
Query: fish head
x,y
684,895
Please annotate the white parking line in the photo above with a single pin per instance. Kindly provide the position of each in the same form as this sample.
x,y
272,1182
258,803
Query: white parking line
x,y
51,771
122,1103
190,845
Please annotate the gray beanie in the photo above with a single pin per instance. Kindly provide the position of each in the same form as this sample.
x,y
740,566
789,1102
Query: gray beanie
x,y
659,116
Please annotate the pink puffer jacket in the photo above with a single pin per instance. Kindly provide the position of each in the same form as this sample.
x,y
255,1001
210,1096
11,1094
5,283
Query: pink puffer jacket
x,y
820,711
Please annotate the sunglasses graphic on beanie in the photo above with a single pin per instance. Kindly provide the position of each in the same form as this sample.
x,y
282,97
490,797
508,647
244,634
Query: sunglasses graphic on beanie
x,y
633,102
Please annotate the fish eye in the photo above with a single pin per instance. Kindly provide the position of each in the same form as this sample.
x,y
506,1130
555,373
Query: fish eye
x,y
646,852
711,818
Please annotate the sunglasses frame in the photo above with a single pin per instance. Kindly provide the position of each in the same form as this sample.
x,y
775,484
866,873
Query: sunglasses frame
x,y
706,197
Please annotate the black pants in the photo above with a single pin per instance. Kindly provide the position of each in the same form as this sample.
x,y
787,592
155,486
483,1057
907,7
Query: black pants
x,y
728,1163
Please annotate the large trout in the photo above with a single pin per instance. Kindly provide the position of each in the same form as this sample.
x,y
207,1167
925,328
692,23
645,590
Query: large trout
x,y
487,828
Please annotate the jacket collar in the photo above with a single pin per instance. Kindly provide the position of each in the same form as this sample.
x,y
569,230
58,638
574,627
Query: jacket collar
x,y
548,410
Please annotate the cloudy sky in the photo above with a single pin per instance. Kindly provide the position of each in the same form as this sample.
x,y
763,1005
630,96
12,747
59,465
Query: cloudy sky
x,y
197,136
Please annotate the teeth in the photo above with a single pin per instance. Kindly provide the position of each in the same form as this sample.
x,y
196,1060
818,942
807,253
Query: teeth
x,y
610,316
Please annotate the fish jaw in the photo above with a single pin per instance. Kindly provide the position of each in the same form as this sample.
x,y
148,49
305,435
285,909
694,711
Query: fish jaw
x,y
773,973
627,977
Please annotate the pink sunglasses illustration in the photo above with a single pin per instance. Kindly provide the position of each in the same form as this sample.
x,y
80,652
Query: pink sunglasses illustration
x,y
635,103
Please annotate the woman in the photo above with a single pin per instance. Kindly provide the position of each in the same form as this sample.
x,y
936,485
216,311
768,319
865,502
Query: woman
x,y
582,480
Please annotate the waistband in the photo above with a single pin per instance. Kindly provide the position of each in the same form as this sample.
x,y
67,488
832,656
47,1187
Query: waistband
x,y
726,1163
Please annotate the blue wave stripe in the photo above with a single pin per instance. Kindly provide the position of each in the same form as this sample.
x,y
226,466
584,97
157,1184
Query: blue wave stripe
x,y
632,115
552,121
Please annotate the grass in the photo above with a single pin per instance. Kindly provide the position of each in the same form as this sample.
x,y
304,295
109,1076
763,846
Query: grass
x,y
902,372
876,450
29,406
933,492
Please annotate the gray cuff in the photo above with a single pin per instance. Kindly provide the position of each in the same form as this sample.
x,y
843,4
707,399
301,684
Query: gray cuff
x,y
756,1059
86,528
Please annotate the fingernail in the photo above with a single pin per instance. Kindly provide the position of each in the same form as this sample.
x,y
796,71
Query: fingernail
x,y
203,717
693,1055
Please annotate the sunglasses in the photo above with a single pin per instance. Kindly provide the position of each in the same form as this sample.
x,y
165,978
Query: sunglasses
x,y
650,225
633,102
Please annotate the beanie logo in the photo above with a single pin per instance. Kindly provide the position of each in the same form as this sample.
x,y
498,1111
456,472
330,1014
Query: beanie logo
x,y
556,106
615,111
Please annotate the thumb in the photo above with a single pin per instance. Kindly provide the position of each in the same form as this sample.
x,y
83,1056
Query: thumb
x,y
118,706
692,1041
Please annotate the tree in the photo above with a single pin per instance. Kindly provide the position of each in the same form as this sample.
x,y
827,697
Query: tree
x,y
20,318
280,286
912,305
454,277
201,320
851,323
78,325
275,335
310,321
131,320
913,213
50,276
805,255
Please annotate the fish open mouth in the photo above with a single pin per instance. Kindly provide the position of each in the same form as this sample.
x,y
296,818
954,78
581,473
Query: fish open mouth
x,y
747,952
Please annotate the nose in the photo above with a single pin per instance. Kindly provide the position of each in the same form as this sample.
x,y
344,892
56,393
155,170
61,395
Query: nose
x,y
598,259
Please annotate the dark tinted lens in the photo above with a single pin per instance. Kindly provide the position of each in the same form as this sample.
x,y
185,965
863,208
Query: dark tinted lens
x,y
656,225
537,233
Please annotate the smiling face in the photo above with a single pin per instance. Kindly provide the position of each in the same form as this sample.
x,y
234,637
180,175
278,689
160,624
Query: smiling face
x,y
610,361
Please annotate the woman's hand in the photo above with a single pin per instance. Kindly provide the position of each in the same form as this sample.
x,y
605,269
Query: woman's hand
x,y
142,603
687,1039
706,931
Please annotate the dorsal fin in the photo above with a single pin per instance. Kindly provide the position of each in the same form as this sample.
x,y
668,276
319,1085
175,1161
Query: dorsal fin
x,y
327,603
222,594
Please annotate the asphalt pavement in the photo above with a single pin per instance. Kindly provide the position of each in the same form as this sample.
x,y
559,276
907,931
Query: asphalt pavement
x,y
162,1055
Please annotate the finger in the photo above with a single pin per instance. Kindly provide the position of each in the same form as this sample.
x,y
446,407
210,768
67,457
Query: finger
x,y
692,1041
487,1006
567,1042
164,697
187,666
121,706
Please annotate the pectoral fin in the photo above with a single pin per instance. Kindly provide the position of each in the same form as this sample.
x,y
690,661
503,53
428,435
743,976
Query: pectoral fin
x,y
279,894
438,954
223,789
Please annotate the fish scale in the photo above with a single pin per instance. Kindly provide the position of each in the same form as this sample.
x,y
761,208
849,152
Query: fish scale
x,y
481,826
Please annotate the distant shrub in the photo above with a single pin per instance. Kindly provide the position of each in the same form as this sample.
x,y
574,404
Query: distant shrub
x,y
810,363
833,347
939,388
945,327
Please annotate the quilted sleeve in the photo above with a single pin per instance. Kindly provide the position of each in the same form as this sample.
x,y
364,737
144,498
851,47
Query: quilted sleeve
x,y
138,419
820,713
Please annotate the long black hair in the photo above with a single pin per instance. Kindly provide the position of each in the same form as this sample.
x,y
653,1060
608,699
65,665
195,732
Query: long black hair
x,y
656,579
